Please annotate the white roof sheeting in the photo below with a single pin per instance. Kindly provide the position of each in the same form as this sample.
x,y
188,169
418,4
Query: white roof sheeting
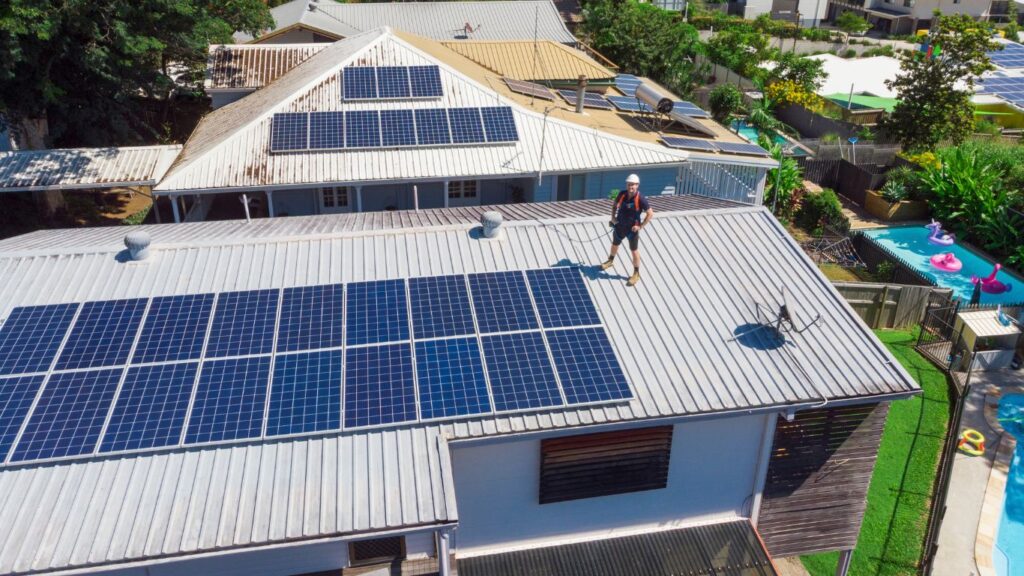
x,y
985,323
231,146
77,168
238,67
865,75
703,273
490,20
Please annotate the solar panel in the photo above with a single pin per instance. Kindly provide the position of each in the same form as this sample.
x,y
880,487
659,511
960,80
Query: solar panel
x,y
502,302
587,367
362,129
305,395
326,130
628,104
243,324
450,376
529,88
440,306
520,372
397,128
393,81
230,399
16,396
69,416
310,318
359,83
467,127
590,100
31,336
1011,56
741,148
175,328
689,143
376,312
499,124
426,81
289,131
627,84
102,334
432,127
379,386
150,410
562,298
689,109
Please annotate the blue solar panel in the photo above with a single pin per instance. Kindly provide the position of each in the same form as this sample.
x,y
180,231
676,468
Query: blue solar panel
x,y
359,82
502,302
243,324
1011,56
379,387
102,334
689,109
376,312
426,81
289,131
499,124
16,396
174,329
467,127
305,395
520,372
150,410
393,81
229,400
310,318
450,376
741,148
562,298
31,336
627,84
587,366
628,104
397,128
432,127
689,143
362,129
440,306
69,416
326,130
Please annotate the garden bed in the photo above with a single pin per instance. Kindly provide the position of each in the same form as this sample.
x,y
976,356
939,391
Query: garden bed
x,y
895,211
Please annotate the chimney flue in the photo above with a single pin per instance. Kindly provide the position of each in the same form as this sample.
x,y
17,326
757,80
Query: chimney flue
x,y
581,91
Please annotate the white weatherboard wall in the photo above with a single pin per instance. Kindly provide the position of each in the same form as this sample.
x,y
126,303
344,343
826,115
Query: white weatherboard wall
x,y
711,476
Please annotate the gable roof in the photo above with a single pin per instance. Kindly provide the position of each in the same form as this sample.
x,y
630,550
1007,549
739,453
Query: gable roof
x,y
490,20
528,60
252,66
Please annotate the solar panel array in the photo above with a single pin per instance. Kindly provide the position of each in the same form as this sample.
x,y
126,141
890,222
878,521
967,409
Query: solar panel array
x,y
709,146
590,100
529,88
390,82
627,84
629,104
1009,89
361,129
1011,56
141,374
741,148
689,109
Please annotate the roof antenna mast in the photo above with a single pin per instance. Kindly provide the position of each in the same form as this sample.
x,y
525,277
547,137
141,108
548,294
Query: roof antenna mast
x,y
536,51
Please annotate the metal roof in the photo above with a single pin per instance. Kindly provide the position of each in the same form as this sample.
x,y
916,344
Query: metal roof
x,y
77,168
528,60
985,323
490,20
252,66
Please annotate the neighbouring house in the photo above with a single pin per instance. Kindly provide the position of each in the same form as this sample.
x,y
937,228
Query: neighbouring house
x,y
803,12
908,16
310,21
409,390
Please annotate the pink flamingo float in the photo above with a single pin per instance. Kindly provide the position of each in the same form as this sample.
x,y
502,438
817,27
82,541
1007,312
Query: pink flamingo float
x,y
947,262
990,285
937,236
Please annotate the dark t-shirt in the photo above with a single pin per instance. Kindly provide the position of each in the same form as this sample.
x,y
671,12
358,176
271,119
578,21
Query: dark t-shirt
x,y
631,210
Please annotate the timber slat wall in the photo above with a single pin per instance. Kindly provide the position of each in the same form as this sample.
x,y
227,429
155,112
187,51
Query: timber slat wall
x,y
818,476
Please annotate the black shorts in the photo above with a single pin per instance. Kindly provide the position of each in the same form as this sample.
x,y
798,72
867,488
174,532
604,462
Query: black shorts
x,y
622,233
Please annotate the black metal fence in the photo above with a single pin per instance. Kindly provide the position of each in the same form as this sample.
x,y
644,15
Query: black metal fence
x,y
875,255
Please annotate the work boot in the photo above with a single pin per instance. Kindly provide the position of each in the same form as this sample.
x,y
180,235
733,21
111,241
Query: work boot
x,y
608,264
634,278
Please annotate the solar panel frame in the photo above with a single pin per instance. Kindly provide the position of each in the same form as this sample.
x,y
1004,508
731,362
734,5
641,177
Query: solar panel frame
x,y
289,131
379,386
741,148
502,303
326,130
311,318
426,81
362,129
31,337
689,109
562,298
520,372
359,83
466,125
305,393
230,400
499,124
103,334
529,89
398,128
393,82
627,84
376,312
244,323
151,407
174,329
689,143
432,127
440,307
17,393
588,369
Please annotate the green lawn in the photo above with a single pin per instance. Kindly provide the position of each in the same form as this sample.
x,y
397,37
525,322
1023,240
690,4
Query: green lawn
x,y
892,536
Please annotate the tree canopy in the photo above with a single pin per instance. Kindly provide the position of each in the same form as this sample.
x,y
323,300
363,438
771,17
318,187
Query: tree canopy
x,y
83,68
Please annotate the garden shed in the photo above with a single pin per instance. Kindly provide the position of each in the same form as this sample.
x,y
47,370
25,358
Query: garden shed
x,y
990,341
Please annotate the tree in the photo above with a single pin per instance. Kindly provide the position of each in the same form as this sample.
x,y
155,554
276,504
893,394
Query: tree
x,y
850,23
934,92
808,73
739,50
725,100
1012,28
780,182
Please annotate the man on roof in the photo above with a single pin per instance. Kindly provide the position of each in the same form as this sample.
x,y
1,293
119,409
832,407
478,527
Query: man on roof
x,y
630,213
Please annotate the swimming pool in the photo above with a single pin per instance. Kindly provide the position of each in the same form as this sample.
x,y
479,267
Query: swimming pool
x,y
1009,550
751,133
911,244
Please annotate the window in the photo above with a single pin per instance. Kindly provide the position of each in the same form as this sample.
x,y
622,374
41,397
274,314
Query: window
x,y
336,197
462,189
590,465
376,551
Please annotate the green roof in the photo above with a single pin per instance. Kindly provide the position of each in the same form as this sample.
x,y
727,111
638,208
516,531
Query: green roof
x,y
864,101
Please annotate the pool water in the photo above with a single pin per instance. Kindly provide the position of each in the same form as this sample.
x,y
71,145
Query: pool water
x,y
1009,551
911,244
751,134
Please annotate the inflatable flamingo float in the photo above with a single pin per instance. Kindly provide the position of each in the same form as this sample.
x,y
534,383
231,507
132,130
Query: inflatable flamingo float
x,y
937,237
947,262
990,285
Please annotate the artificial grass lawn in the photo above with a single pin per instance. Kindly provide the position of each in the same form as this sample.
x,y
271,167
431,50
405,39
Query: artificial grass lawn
x,y
892,536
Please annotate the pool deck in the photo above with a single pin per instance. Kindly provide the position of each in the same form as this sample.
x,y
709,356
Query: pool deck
x,y
975,498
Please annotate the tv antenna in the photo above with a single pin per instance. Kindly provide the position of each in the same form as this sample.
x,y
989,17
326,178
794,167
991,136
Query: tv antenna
x,y
783,321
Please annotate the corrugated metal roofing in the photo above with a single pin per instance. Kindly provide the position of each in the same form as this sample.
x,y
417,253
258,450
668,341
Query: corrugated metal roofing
x,y
986,323
252,66
71,168
489,20
528,60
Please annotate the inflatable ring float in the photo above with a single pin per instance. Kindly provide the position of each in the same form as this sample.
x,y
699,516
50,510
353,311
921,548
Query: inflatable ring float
x,y
971,442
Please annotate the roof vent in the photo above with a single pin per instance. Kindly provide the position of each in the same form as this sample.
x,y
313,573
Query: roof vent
x,y
137,243
491,222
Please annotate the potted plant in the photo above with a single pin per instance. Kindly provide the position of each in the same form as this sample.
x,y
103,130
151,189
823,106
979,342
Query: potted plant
x,y
897,200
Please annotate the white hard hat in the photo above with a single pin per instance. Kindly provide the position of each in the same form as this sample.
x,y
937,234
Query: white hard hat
x,y
632,179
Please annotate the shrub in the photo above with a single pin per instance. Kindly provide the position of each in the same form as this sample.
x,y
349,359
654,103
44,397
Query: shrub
x,y
879,51
830,138
789,92
885,272
922,159
725,100
910,180
851,23
820,210
848,53
894,191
